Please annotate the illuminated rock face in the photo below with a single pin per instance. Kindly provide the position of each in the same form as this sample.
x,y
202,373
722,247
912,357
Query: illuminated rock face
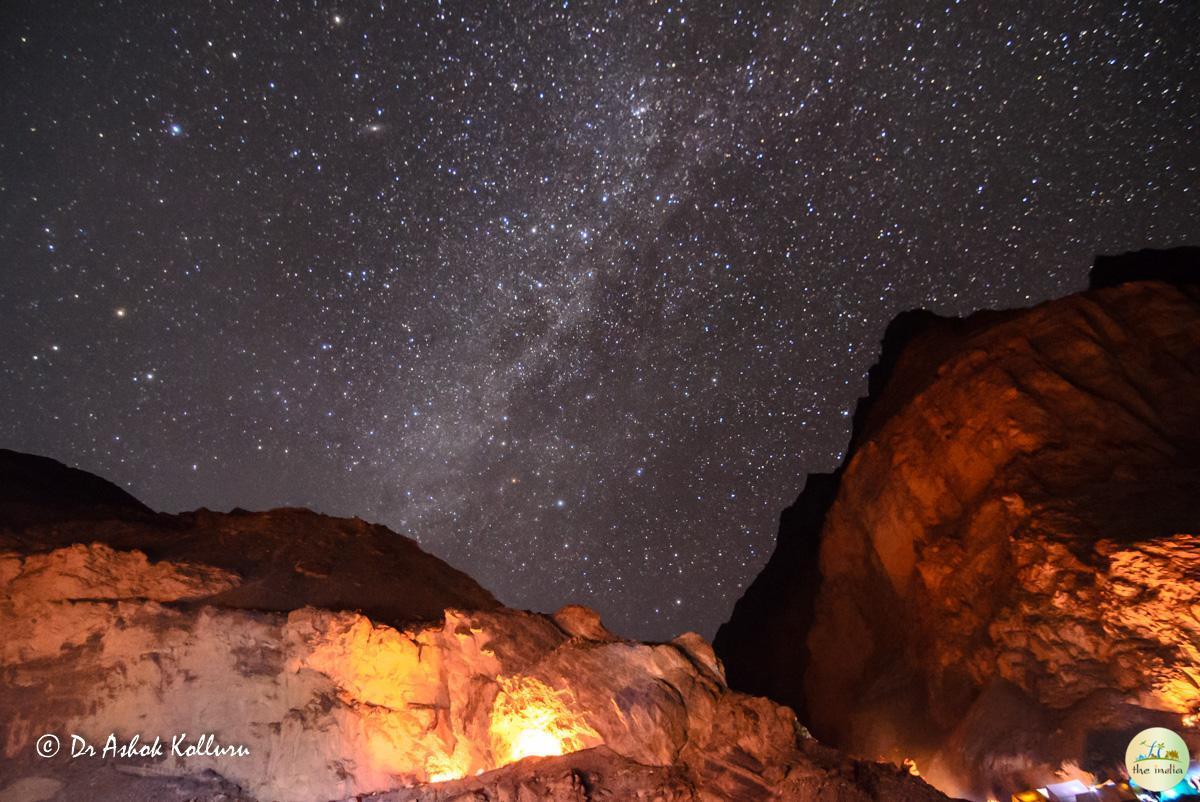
x,y
331,704
1008,571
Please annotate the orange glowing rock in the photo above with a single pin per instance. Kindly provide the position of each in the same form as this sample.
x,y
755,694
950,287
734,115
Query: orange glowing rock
x,y
335,704
529,718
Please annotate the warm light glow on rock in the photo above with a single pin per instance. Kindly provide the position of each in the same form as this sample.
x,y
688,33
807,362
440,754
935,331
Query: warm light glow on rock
x,y
441,771
535,743
529,718
395,681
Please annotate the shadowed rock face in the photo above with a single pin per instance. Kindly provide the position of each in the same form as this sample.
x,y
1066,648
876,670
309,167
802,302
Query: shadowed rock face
x,y
39,490
346,662
780,604
1007,573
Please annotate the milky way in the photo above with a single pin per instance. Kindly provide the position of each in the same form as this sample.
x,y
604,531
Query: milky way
x,y
575,295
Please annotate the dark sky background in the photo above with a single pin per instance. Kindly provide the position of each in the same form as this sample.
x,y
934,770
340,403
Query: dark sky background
x,y
574,294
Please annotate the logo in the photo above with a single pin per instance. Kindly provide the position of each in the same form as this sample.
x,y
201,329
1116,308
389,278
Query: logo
x,y
1157,759
47,745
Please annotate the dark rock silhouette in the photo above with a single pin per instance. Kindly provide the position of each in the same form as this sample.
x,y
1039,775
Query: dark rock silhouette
x,y
39,490
779,604
1175,266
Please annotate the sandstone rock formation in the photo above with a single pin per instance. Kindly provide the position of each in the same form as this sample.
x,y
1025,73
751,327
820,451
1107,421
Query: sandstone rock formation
x,y
1003,579
299,657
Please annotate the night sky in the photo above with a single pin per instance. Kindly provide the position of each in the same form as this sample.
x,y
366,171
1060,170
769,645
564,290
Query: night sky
x,y
573,294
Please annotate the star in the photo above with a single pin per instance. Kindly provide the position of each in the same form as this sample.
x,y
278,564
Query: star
x,y
482,274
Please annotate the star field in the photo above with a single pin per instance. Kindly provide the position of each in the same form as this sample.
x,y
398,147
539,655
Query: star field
x,y
573,294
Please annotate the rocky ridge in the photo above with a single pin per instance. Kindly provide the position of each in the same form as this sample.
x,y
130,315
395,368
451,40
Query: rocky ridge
x,y
346,663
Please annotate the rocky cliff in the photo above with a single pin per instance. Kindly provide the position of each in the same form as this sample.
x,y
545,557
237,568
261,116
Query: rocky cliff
x,y
1003,578
294,657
